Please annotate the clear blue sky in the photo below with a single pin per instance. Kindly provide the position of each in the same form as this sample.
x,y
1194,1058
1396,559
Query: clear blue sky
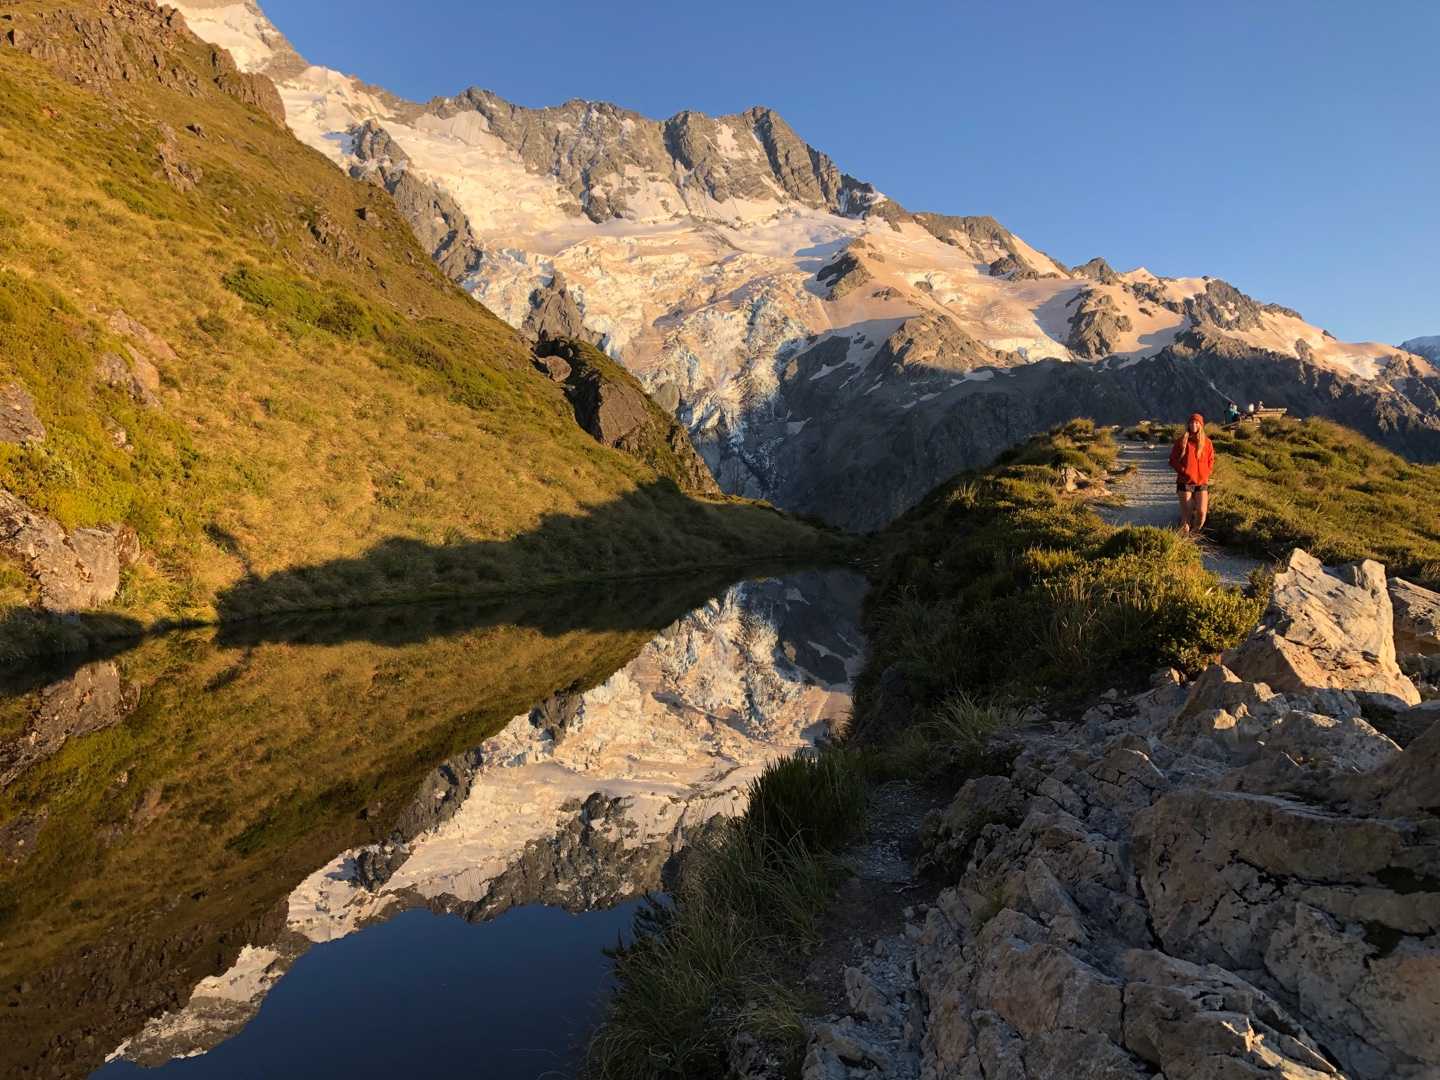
x,y
1292,148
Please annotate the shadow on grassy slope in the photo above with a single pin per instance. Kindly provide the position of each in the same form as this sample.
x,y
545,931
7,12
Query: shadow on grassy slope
x,y
654,530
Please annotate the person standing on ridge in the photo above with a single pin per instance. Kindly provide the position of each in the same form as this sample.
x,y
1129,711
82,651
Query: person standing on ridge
x,y
1192,457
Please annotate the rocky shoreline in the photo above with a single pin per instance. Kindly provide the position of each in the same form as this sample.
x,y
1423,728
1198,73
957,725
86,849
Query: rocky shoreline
x,y
1234,877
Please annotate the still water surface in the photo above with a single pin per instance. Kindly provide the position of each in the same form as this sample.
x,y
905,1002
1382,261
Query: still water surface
x,y
375,844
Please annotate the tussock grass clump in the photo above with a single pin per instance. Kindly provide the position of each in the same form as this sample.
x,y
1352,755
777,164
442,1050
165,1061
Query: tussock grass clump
x,y
949,741
712,960
1284,483
1000,584
817,800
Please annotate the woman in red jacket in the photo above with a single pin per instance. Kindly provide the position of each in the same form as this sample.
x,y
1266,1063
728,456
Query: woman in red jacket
x,y
1192,457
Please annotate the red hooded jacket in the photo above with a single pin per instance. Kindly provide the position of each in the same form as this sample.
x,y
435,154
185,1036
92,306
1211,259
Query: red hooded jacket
x,y
1192,463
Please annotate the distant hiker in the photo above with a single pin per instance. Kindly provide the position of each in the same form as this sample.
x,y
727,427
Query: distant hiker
x,y
1192,457
1232,413
1250,409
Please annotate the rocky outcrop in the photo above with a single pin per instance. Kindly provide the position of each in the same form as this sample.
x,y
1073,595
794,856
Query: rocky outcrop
x,y
1417,618
19,423
1203,881
1097,269
1324,630
433,214
137,380
77,569
1097,325
613,408
844,275
137,41
932,345
555,313
605,156
1224,306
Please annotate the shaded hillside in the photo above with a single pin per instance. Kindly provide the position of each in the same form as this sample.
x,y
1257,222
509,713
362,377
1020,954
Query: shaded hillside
x,y
223,358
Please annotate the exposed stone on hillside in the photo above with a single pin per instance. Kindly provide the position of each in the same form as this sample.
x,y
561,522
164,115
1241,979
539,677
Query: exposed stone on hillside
x,y
138,41
1428,347
1224,306
1097,269
1417,618
1326,630
18,421
333,237
554,313
1204,881
977,233
433,214
930,344
613,408
846,274
1097,325
1012,269
149,345
75,570
174,169
138,379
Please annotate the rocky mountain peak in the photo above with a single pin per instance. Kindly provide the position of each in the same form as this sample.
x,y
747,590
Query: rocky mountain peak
x,y
1097,269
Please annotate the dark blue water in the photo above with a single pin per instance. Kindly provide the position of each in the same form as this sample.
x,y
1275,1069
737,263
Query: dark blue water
x,y
423,994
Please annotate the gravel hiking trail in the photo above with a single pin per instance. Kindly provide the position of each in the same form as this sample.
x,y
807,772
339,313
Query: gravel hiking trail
x,y
1149,494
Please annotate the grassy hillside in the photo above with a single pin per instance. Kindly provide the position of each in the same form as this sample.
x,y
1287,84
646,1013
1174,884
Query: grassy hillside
x,y
322,387
1314,484
1000,584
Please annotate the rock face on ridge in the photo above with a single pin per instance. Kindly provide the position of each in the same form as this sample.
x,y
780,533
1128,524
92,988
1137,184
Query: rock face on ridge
x,y
612,407
439,223
1215,880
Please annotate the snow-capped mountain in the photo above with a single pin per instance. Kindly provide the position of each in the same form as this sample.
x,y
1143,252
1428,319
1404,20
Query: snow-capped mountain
x,y
1428,347
829,349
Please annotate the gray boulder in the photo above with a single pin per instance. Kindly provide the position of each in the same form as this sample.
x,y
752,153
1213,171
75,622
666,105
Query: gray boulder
x,y
76,571
1417,618
1326,630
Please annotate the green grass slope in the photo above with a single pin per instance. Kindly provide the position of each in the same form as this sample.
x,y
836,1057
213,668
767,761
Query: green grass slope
x,y
1000,584
329,390
1281,484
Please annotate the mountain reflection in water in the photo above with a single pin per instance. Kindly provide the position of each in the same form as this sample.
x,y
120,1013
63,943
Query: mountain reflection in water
x,y
181,823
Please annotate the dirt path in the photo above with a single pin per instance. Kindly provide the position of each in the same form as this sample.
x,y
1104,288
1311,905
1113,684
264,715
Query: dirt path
x,y
1149,494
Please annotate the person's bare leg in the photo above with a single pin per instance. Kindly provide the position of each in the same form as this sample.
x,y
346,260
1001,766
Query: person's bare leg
x,y
1185,499
1199,510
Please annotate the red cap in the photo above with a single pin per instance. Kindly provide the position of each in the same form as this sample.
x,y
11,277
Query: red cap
x,y
1197,416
